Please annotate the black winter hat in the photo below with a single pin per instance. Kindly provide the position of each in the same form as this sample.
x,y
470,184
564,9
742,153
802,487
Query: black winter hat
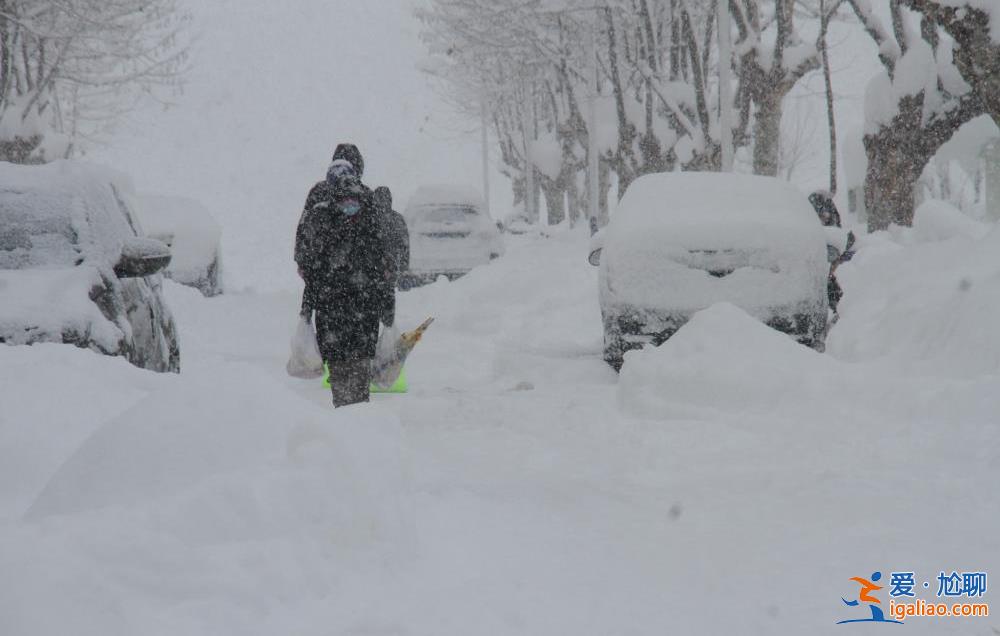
x,y
350,153
382,197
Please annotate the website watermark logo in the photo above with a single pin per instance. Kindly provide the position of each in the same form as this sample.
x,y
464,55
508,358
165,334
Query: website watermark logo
x,y
904,602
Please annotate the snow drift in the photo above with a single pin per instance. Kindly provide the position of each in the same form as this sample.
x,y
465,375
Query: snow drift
x,y
929,308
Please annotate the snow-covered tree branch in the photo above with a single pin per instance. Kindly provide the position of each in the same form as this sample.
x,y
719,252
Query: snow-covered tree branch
x,y
940,72
69,68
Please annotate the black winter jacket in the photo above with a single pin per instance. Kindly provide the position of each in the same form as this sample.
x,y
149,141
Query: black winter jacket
x,y
345,264
397,237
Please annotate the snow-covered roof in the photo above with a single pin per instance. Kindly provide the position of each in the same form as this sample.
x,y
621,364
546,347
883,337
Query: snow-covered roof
x,y
53,214
708,208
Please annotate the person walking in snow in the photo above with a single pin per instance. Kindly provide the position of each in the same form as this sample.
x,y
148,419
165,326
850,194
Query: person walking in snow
x,y
397,239
343,260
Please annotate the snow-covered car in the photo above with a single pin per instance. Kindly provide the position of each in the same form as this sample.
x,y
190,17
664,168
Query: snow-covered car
x,y
516,223
194,238
681,242
76,268
450,233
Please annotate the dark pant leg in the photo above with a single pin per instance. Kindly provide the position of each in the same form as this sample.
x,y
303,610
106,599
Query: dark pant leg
x,y
346,339
350,381
834,292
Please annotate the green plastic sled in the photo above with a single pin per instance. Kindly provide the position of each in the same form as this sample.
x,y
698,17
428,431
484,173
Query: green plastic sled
x,y
400,386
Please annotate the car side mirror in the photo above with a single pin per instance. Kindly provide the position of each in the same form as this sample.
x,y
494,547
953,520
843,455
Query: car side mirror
x,y
142,257
595,257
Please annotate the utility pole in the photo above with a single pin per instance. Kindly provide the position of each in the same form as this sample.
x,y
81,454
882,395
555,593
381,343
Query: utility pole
x,y
592,152
725,86
991,160
484,138
529,167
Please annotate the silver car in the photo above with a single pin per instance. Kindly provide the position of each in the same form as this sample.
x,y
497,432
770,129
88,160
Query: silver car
x,y
450,233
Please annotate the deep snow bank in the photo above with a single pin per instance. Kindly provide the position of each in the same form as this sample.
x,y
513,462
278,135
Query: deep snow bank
x,y
721,359
205,431
724,362
52,398
221,491
926,308
937,221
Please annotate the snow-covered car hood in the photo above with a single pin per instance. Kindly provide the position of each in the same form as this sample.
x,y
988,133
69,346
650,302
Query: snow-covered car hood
x,y
55,305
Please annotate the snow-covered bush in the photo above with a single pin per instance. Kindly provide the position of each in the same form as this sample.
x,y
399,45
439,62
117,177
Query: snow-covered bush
x,y
929,307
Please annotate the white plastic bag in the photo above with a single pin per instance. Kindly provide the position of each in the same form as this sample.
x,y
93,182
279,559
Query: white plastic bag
x,y
391,352
305,361
388,362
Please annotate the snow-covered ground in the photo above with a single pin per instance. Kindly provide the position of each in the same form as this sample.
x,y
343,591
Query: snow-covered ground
x,y
729,482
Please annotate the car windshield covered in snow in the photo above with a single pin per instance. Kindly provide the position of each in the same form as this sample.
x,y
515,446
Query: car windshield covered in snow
x,y
448,214
35,234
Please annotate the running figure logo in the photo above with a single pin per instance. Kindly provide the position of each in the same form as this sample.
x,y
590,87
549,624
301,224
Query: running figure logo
x,y
865,596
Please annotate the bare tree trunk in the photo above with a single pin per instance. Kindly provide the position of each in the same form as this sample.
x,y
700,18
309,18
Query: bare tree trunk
x,y
675,43
895,163
899,151
767,134
831,118
624,158
6,55
555,200
574,203
604,185
536,195
768,81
